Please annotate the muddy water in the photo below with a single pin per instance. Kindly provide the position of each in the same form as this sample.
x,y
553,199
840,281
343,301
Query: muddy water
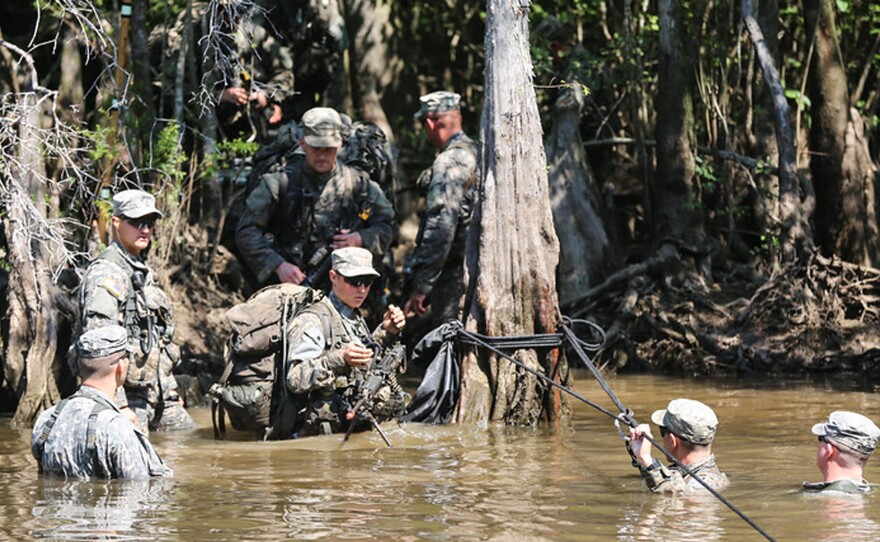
x,y
472,483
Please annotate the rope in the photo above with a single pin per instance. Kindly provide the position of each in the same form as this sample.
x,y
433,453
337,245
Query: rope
x,y
579,346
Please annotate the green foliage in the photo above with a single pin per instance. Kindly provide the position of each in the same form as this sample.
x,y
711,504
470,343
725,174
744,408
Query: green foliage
x,y
228,153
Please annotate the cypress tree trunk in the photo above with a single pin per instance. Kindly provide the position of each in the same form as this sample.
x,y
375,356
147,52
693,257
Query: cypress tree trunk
x,y
843,175
512,250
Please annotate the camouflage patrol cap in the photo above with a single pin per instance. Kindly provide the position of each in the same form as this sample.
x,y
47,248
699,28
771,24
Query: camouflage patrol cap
x,y
353,262
437,102
689,419
850,430
321,127
135,204
101,342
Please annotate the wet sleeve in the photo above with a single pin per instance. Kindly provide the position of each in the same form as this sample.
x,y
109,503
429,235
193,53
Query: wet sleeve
x,y
663,480
379,228
311,367
250,235
439,223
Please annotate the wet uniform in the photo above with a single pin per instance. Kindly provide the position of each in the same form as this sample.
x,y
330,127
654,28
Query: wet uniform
x,y
86,436
844,485
661,479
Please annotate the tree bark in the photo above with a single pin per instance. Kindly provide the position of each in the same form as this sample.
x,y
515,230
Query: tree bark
x,y
843,175
794,214
512,247
371,67
584,244
676,192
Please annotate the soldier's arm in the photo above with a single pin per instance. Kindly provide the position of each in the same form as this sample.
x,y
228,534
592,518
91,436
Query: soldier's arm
x,y
102,298
442,212
124,454
379,230
311,367
250,235
661,479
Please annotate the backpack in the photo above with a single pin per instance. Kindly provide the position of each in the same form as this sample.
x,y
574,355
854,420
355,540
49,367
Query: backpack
x,y
248,390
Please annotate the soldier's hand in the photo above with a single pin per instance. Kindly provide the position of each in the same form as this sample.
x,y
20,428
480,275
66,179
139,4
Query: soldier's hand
x,y
641,447
347,238
415,305
261,99
234,95
357,355
287,272
277,114
394,320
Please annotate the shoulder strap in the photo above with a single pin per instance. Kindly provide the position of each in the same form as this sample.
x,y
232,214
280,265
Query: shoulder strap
x,y
112,255
91,431
50,423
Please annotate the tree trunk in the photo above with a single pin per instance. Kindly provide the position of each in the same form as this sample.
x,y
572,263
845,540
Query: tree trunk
x,y
584,245
512,247
32,342
367,23
676,192
846,218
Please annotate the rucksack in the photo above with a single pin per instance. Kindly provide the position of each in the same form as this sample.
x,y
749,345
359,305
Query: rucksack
x,y
250,391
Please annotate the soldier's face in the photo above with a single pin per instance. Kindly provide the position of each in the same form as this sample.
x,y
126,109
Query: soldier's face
x,y
439,127
320,159
353,295
134,234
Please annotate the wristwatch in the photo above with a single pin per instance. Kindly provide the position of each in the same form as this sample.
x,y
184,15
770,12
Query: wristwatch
x,y
653,466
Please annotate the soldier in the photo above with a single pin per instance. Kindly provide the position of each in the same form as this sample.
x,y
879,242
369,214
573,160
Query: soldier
x,y
436,267
253,66
119,288
86,435
846,442
688,430
309,205
330,341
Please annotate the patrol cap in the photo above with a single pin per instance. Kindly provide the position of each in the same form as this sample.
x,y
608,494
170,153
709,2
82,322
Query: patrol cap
x,y
437,102
353,262
689,419
101,342
135,204
321,127
851,430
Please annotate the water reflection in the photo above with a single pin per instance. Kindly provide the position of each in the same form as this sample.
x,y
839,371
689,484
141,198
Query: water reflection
x,y
671,517
102,510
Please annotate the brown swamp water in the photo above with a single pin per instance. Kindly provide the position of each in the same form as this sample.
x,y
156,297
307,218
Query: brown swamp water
x,y
466,482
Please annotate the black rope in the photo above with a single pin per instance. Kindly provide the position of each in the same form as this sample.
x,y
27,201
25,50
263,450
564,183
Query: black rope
x,y
626,416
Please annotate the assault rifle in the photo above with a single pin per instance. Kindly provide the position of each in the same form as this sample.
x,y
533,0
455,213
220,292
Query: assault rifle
x,y
381,372
320,261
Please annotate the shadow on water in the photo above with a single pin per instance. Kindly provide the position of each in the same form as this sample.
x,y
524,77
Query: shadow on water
x,y
464,482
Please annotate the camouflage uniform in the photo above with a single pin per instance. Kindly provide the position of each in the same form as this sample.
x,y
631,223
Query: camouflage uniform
x,y
85,435
844,485
319,377
294,212
121,451
436,266
120,289
662,479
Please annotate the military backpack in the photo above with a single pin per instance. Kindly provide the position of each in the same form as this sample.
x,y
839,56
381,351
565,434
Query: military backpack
x,y
251,390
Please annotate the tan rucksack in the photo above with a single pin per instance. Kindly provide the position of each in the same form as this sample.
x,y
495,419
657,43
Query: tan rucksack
x,y
248,390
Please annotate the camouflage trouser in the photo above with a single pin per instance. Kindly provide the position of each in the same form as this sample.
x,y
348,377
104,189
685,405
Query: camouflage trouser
x,y
157,404
323,415
444,303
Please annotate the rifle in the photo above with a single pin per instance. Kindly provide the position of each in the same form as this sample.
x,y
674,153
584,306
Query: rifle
x,y
320,261
380,373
